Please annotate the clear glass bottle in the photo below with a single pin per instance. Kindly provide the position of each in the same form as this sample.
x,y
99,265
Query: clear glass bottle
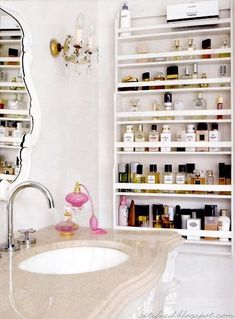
x,y
223,73
157,107
3,132
165,218
17,133
159,76
166,137
195,74
177,47
153,177
220,101
134,107
224,223
139,178
199,104
153,137
168,105
198,179
140,137
204,85
190,136
224,46
210,179
180,177
128,137
186,76
191,47
222,176
190,168
168,177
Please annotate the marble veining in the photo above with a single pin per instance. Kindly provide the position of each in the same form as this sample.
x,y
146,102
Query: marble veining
x,y
100,294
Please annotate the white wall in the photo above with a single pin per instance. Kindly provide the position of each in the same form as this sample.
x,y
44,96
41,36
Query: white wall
x,y
67,147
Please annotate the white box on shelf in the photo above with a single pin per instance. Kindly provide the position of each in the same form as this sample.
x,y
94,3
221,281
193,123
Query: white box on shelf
x,y
192,11
8,23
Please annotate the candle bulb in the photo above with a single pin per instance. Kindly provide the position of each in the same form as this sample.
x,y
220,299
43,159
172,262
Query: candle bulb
x,y
80,21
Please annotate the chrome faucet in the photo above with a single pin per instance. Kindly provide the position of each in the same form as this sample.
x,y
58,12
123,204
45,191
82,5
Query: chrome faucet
x,y
11,245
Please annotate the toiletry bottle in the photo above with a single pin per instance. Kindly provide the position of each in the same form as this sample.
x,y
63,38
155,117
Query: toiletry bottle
x,y
172,74
171,216
190,168
140,137
220,102
128,137
17,166
134,107
123,211
180,137
153,137
157,107
132,171
223,73
125,20
198,179
153,177
165,218
191,47
193,223
224,46
202,136
168,177
17,133
145,78
204,85
206,45
195,74
227,177
184,218
179,106
131,215
139,177
210,179
123,172
222,174
214,136
142,215
168,106
2,131
159,76
180,177
177,218
176,48
166,137
157,212
199,104
190,136
223,223
186,76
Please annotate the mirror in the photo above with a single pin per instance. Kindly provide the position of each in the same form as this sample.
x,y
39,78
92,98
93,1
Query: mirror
x,y
16,95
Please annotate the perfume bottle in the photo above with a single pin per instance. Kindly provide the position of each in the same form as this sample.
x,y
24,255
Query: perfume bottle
x,y
159,76
180,137
193,223
172,74
123,172
153,137
224,46
157,107
214,136
202,136
210,179
180,177
177,47
220,102
153,177
168,177
165,218
134,107
145,78
131,216
199,104
195,74
132,171
206,45
190,168
123,211
198,179
128,137
224,223
223,73
186,76
190,136
139,177
222,176
204,85
168,105
157,211
191,47
166,137
140,137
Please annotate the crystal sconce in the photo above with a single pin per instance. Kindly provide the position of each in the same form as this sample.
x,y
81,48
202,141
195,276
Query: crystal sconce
x,y
76,49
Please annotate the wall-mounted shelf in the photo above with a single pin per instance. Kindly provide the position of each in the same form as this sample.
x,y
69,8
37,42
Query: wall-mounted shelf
x,y
160,54
7,177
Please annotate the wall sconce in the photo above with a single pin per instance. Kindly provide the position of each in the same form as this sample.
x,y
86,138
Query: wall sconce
x,y
76,49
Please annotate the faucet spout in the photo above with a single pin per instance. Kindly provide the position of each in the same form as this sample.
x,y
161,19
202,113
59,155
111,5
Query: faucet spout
x,y
10,245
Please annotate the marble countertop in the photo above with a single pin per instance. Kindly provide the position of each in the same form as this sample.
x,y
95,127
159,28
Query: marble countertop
x,y
101,294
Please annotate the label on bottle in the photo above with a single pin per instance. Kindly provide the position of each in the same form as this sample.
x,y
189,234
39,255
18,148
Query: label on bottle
x,y
180,179
165,137
151,179
168,179
153,138
214,136
128,138
190,137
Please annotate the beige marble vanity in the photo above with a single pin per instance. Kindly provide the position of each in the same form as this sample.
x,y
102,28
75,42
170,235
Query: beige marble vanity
x,y
100,294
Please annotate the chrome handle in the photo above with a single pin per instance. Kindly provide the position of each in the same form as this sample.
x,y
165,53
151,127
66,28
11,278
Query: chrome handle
x,y
25,239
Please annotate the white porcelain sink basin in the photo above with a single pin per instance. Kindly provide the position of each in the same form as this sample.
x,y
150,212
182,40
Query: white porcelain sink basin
x,y
74,260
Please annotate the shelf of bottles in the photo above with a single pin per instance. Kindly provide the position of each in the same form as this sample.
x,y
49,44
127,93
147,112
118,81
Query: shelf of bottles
x,y
189,71
15,118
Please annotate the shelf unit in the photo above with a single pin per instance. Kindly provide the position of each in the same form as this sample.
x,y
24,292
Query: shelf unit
x,y
12,87
127,62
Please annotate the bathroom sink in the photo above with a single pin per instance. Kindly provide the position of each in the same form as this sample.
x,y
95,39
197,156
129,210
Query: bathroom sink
x,y
74,260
